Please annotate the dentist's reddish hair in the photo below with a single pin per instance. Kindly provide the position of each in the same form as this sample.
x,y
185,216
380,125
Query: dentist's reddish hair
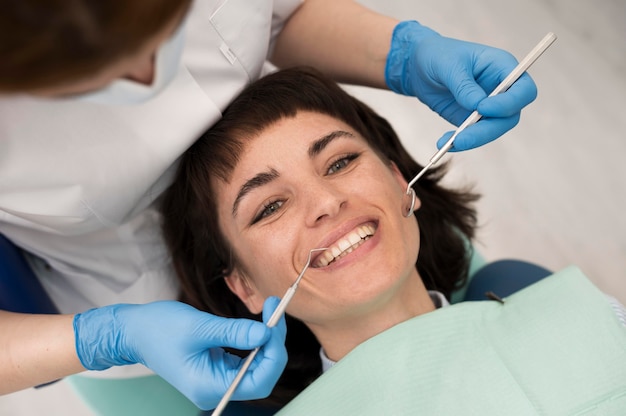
x,y
48,43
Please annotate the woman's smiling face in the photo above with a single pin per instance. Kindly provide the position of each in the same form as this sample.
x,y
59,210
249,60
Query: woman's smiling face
x,y
312,181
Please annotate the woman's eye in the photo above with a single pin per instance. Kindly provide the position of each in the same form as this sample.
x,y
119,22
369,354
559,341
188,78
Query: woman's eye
x,y
341,163
268,209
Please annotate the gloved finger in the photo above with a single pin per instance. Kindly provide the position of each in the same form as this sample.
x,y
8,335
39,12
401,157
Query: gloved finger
x,y
269,306
444,139
243,334
454,114
484,131
279,332
206,390
270,361
266,369
466,91
274,350
511,102
268,309
492,67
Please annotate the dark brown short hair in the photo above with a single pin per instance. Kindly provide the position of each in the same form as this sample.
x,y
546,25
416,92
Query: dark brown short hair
x,y
202,256
46,43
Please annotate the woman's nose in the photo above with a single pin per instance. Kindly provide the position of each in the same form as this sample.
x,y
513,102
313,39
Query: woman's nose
x,y
323,201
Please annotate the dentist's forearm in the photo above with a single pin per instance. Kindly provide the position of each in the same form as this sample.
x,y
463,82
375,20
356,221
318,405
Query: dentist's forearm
x,y
35,349
339,37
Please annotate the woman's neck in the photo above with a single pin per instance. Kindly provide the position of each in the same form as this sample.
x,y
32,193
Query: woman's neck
x,y
341,336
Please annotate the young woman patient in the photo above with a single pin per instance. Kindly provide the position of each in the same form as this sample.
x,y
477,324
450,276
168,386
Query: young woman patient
x,y
297,164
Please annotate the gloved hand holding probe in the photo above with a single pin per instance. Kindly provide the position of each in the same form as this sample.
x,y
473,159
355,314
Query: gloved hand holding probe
x,y
184,346
453,78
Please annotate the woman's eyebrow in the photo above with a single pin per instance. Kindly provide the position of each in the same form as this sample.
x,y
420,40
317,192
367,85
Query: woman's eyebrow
x,y
266,177
319,145
258,180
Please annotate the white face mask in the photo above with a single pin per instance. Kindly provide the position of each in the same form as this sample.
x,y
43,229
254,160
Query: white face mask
x,y
123,91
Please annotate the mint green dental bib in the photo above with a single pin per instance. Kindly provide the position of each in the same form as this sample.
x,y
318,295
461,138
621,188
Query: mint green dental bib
x,y
554,348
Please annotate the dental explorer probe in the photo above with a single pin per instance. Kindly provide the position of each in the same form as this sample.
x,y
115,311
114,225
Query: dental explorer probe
x,y
274,318
503,86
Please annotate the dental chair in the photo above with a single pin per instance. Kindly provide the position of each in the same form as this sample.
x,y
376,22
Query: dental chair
x,y
21,291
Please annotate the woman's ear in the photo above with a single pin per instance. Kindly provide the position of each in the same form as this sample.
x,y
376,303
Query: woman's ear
x,y
403,184
240,285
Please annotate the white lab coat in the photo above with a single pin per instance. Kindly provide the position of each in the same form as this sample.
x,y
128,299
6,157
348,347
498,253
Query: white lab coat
x,y
79,181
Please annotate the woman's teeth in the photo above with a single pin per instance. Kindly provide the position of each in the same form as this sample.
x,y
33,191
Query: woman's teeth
x,y
345,245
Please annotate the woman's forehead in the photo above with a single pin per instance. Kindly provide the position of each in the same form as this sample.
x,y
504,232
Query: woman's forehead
x,y
298,131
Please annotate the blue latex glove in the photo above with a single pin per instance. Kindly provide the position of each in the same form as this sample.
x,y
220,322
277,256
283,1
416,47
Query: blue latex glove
x,y
453,78
184,346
